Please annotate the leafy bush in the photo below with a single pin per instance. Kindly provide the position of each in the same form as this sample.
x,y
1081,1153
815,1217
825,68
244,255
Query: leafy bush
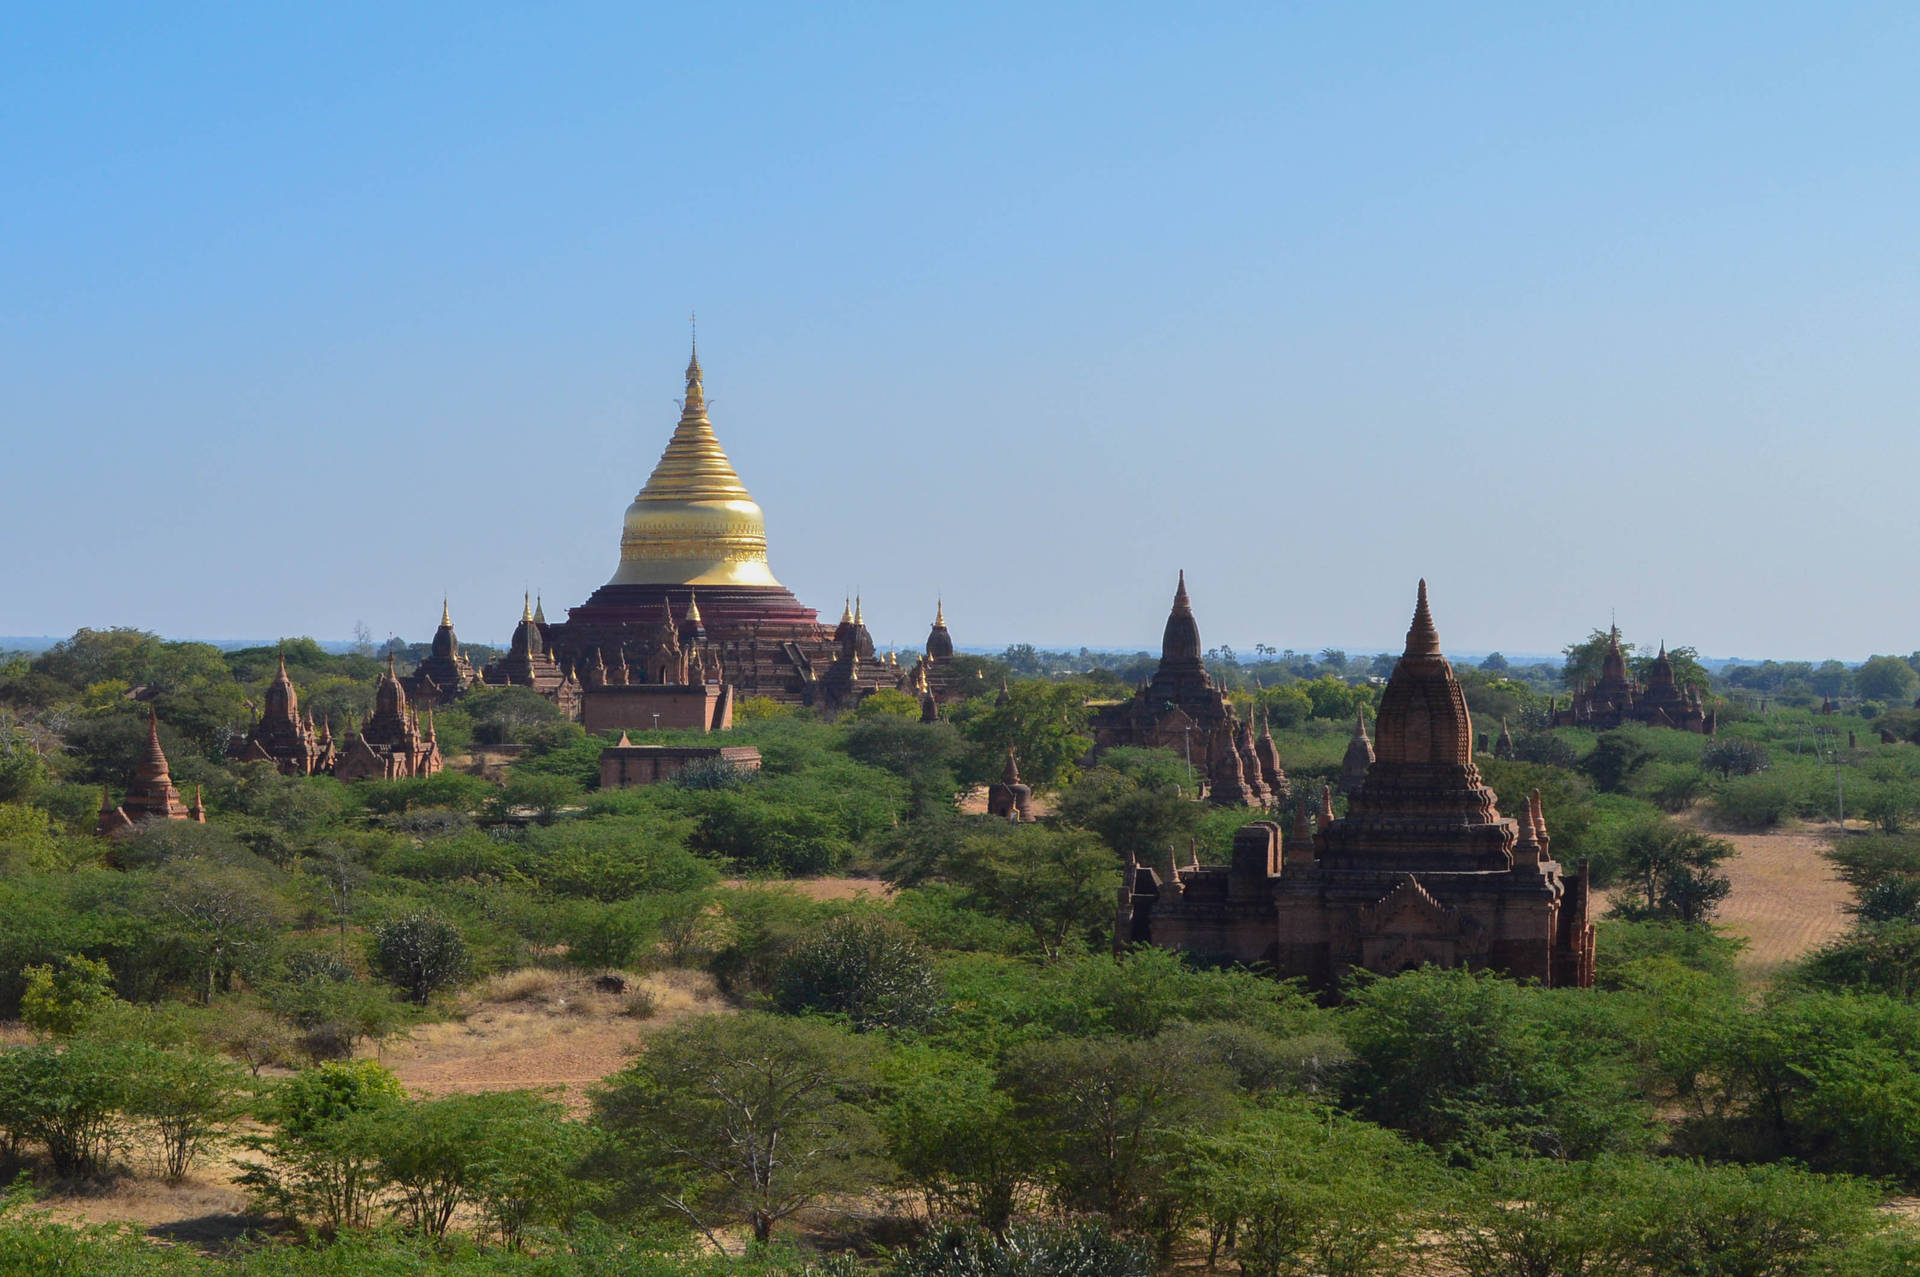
x,y
69,1099
1025,1250
61,997
1756,802
420,954
865,967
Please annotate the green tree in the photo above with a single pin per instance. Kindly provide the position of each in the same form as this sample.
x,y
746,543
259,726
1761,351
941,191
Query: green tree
x,y
1303,1192
71,1099
1134,802
62,996
225,912
323,1144
1615,758
1585,659
1042,723
1734,756
1477,1066
420,954
1057,883
531,1169
1676,869
955,1135
1107,1115
1887,678
21,767
1687,669
189,1098
744,1119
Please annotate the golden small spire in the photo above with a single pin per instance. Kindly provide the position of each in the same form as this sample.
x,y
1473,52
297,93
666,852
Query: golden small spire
x,y
446,617
539,610
939,612
846,612
526,610
858,619
693,608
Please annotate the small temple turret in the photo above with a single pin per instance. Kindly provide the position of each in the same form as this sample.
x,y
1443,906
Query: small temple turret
x,y
150,797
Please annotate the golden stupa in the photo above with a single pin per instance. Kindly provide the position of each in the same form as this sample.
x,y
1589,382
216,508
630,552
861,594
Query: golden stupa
x,y
694,523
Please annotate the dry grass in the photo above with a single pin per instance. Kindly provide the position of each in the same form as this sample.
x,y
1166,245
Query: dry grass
x,y
825,888
1786,900
543,1029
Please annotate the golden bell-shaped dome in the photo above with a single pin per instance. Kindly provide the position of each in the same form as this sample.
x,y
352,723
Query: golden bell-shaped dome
x,y
694,522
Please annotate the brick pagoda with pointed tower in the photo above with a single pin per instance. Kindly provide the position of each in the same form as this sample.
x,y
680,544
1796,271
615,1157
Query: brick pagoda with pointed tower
x,y
1422,869
282,737
1181,708
151,796
445,673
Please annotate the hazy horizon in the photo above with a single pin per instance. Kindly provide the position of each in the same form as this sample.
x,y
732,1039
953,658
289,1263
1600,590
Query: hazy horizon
x,y
312,318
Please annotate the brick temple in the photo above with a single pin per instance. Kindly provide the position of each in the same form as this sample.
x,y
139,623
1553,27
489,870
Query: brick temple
x,y
151,797
1423,868
1182,709
1617,699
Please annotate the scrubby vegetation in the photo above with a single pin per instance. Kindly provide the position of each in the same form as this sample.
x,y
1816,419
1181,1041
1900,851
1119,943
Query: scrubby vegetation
x,y
950,1074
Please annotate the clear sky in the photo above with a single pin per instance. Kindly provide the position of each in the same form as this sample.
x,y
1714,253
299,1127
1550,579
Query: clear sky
x,y
311,313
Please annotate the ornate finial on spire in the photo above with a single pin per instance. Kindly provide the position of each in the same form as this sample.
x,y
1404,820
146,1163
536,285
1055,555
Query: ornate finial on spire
x,y
1180,599
446,616
1360,724
539,611
696,401
693,608
1422,638
846,611
858,618
526,608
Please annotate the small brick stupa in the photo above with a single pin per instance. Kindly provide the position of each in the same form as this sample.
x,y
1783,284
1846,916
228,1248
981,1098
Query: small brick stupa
x,y
151,796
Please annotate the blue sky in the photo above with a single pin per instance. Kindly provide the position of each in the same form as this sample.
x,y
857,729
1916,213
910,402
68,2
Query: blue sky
x,y
307,317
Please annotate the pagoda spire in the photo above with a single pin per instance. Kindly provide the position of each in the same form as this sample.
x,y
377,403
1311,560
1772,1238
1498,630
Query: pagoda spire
x,y
939,612
1422,638
693,608
446,616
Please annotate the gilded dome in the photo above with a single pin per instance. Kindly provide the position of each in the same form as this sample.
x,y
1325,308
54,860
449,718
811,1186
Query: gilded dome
x,y
694,522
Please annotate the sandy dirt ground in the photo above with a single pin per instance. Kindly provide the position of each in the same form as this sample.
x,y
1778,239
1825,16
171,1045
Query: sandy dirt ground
x,y
824,889
1786,899
538,1029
